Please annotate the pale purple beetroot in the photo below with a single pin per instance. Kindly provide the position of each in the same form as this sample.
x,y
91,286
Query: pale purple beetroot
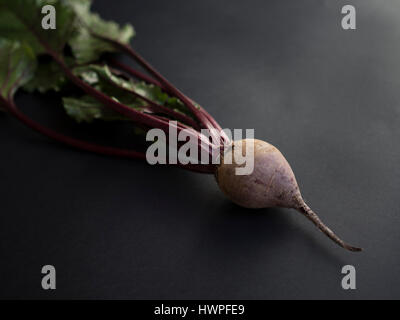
x,y
272,184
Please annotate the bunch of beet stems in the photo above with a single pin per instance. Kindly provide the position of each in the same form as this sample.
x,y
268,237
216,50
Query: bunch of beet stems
x,y
201,118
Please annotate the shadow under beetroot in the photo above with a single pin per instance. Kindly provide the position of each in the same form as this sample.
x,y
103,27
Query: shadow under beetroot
x,y
236,231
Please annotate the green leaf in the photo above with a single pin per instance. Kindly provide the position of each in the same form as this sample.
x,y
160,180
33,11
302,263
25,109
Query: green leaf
x,y
21,20
85,46
87,109
102,75
48,76
17,66
102,79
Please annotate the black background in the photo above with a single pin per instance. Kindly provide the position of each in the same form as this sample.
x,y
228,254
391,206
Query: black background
x,y
116,228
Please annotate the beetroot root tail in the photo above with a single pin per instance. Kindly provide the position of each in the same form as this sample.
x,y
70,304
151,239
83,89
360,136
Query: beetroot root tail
x,y
311,215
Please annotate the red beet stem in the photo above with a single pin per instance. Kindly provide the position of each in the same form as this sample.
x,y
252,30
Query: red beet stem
x,y
11,107
127,69
202,118
137,74
137,116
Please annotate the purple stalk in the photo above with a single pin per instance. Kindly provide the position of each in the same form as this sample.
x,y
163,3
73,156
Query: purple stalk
x,y
137,74
202,118
137,116
86,146
143,119
208,121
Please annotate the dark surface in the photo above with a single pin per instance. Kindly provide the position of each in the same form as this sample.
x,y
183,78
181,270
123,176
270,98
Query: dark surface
x,y
328,98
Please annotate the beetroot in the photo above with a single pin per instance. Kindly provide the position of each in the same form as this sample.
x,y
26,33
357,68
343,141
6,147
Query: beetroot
x,y
113,91
271,184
